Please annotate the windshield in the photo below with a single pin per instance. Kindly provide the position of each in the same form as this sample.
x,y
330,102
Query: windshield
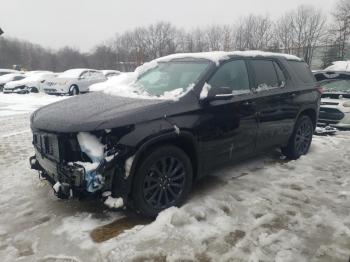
x,y
338,85
71,73
171,76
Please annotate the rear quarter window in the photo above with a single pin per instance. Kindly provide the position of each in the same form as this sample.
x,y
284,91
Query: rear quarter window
x,y
302,70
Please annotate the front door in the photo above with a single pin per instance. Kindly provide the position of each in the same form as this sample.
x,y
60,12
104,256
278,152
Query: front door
x,y
228,129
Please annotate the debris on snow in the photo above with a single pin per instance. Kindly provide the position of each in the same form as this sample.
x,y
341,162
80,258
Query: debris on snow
x,y
114,202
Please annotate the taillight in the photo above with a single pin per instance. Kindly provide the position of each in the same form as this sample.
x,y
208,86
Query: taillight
x,y
319,89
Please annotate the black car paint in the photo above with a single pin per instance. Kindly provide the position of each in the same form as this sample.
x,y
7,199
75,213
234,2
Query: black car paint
x,y
211,132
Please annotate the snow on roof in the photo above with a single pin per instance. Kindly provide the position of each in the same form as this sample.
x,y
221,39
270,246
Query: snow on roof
x,y
217,56
105,72
8,77
73,73
339,66
9,71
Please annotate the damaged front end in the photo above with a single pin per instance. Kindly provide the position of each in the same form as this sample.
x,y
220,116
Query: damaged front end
x,y
85,164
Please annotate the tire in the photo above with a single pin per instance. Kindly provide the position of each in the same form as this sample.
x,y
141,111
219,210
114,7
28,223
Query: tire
x,y
73,90
34,90
300,141
163,179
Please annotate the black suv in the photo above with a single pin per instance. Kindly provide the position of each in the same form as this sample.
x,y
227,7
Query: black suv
x,y
148,152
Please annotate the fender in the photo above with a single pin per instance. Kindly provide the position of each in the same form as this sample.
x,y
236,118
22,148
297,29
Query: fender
x,y
170,135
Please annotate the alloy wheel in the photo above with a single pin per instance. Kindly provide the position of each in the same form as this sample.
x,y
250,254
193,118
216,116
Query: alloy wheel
x,y
303,137
164,182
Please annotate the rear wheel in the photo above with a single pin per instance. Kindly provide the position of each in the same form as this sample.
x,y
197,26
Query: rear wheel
x,y
300,141
162,180
73,91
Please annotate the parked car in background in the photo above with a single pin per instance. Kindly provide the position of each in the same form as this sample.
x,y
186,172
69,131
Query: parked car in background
x,y
74,81
8,71
110,73
28,84
8,78
111,81
335,102
181,116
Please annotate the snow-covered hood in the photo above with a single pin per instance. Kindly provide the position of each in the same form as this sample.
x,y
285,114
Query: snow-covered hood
x,y
96,111
14,84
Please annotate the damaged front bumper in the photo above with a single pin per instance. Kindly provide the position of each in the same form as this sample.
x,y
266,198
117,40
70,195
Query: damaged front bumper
x,y
74,180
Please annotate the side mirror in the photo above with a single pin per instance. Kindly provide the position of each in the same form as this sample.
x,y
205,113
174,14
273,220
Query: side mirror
x,y
219,93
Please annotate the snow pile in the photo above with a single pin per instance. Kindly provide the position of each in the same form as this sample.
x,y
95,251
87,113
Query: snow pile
x,y
339,66
14,104
114,202
91,146
8,77
205,91
34,78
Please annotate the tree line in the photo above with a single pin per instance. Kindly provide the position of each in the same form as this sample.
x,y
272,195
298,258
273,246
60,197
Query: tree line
x,y
300,32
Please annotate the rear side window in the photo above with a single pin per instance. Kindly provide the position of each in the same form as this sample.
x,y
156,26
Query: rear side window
x,y
303,71
265,74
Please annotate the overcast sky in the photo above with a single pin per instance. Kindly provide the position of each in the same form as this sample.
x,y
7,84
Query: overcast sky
x,y
85,23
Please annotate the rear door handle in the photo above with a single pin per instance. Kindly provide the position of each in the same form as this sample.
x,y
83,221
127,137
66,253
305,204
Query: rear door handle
x,y
292,95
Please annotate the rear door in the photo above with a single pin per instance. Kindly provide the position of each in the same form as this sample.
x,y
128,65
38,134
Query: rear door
x,y
275,105
228,128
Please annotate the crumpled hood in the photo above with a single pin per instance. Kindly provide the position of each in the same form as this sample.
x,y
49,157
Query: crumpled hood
x,y
95,111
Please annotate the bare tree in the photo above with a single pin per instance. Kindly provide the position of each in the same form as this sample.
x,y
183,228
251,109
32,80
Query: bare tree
x,y
308,28
284,34
253,32
341,26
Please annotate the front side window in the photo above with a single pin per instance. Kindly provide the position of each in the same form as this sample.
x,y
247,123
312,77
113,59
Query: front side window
x,y
280,74
232,75
85,75
265,75
18,78
170,76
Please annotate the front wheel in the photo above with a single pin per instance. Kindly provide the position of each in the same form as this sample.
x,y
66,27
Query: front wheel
x,y
300,141
74,90
163,179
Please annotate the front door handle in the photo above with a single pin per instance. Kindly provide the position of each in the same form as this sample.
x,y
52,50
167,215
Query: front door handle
x,y
248,103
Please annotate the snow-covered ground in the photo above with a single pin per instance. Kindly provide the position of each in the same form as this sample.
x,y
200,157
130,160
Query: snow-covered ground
x,y
263,209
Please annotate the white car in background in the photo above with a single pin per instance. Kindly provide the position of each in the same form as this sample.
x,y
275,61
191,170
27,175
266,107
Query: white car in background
x,y
118,80
8,71
335,101
31,83
4,79
74,81
110,73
